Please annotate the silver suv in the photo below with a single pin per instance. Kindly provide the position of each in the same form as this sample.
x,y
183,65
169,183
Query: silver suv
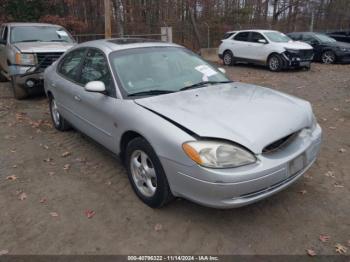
x,y
26,50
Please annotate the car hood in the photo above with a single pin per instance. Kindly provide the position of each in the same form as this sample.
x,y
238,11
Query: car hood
x,y
43,47
295,45
246,114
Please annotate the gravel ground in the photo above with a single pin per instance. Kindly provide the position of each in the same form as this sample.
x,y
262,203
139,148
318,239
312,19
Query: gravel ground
x,y
59,179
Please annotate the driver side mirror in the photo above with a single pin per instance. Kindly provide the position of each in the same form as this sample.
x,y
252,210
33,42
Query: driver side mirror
x,y
96,87
262,41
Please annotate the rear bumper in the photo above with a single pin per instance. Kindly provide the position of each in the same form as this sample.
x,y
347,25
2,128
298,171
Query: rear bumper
x,y
343,58
238,187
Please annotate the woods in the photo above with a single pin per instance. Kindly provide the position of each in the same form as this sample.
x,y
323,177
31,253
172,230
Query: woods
x,y
130,17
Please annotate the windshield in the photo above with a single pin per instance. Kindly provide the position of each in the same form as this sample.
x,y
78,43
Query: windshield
x,y
277,37
39,34
161,68
325,39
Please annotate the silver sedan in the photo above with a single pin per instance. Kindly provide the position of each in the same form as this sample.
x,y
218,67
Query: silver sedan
x,y
181,127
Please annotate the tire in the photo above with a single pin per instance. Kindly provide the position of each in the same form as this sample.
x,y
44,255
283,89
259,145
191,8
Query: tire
x,y
228,58
2,78
328,57
275,63
146,174
18,92
58,121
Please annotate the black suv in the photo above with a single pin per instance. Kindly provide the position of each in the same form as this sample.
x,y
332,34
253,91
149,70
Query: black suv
x,y
326,49
341,36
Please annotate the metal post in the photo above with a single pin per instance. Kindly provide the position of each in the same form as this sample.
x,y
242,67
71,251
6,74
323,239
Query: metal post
x,y
108,22
208,33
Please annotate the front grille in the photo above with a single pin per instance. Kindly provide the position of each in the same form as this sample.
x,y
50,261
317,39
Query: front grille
x,y
302,54
46,59
306,54
279,144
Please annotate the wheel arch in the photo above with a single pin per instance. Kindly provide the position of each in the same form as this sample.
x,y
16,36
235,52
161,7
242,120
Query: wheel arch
x,y
125,140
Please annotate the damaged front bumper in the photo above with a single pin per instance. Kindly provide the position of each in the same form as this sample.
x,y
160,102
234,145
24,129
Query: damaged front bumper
x,y
297,60
28,77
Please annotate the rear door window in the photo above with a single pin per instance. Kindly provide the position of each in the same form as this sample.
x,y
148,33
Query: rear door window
x,y
243,36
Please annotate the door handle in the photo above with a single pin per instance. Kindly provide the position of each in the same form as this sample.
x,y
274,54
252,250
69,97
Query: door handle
x,y
77,98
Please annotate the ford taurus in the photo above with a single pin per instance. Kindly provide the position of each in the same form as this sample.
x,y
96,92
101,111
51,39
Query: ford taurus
x,y
182,128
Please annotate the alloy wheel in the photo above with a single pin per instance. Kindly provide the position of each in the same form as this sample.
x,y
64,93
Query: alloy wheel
x,y
143,173
227,59
274,63
328,57
55,114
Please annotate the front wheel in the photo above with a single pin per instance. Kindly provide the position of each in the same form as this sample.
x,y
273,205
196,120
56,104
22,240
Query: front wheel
x,y
274,63
18,91
328,57
146,174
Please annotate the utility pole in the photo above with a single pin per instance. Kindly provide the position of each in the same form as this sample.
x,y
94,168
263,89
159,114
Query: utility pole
x,y
108,16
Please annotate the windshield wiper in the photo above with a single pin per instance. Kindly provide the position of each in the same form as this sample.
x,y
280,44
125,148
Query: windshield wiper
x,y
152,92
204,83
30,40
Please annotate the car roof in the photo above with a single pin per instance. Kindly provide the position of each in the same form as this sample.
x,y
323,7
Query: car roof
x,y
114,44
253,30
30,24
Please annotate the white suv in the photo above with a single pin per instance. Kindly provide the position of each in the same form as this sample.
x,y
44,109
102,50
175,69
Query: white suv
x,y
270,48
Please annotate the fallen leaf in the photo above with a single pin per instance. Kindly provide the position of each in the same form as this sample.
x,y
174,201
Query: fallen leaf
x,y
340,249
336,109
324,238
342,150
46,147
109,183
53,214
325,119
66,167
311,252
330,174
51,173
12,178
14,166
303,192
332,128
89,213
43,200
338,185
48,160
65,154
22,196
3,252
158,227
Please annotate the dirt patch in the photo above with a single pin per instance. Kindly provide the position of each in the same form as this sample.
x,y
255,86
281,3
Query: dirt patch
x,y
82,203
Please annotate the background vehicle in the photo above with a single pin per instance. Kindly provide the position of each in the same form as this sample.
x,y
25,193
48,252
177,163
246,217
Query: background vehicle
x,y
270,48
182,127
327,50
341,36
26,49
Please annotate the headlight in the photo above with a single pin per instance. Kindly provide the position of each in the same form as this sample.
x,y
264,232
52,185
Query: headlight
x,y
313,122
215,154
293,51
344,49
25,59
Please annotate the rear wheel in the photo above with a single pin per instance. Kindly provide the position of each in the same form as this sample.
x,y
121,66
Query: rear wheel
x,y
274,63
228,58
2,77
58,121
146,174
18,92
328,57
